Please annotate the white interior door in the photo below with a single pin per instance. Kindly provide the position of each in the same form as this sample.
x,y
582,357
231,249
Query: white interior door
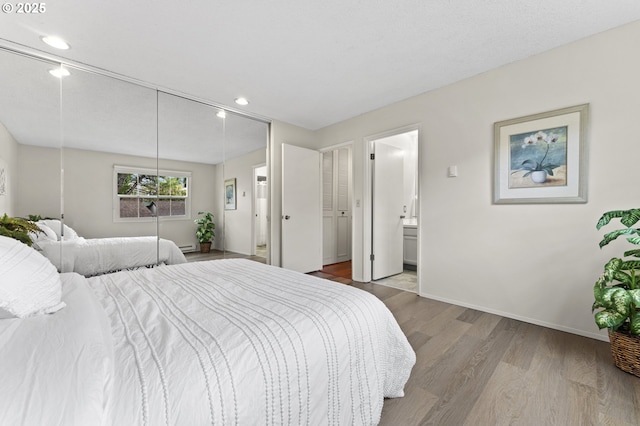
x,y
388,175
301,209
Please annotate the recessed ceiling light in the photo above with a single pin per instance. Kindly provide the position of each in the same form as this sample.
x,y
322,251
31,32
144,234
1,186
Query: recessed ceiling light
x,y
242,101
56,42
59,72
221,113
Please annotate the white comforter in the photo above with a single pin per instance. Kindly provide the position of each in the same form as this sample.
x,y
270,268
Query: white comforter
x,y
57,369
101,255
235,342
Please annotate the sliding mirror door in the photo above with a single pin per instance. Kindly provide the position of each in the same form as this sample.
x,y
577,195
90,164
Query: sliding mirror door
x,y
245,198
190,156
29,137
109,143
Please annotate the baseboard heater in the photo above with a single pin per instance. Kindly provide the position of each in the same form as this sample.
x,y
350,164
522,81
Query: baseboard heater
x,y
188,248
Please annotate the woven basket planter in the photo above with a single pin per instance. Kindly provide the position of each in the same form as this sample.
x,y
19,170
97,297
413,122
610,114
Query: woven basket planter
x,y
625,349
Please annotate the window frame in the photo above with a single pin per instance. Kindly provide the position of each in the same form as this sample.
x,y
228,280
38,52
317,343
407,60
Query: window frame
x,y
151,172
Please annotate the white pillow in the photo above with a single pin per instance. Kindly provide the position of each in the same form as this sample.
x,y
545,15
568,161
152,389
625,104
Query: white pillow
x,y
54,224
30,284
47,234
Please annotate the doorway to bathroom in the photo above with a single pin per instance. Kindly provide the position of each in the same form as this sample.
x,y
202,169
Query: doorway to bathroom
x,y
394,210
261,206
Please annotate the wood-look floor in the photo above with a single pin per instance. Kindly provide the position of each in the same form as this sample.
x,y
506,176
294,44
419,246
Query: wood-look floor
x,y
475,368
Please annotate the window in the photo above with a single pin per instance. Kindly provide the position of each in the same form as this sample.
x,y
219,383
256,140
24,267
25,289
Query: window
x,y
143,194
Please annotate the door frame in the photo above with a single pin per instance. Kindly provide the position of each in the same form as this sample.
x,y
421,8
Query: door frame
x,y
254,194
367,199
352,183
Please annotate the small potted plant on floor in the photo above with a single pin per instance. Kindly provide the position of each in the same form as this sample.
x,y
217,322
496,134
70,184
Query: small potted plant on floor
x,y
18,228
204,231
617,293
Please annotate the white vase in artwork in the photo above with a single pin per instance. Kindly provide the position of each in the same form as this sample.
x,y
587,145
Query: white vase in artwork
x,y
539,176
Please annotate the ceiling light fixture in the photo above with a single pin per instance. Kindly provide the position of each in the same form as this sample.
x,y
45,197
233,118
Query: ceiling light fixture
x,y
242,101
221,113
59,72
56,42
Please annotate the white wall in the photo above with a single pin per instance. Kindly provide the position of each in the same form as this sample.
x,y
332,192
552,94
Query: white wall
x,y
8,161
537,263
239,223
39,181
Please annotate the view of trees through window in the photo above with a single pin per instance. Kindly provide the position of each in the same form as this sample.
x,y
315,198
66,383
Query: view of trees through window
x,y
144,195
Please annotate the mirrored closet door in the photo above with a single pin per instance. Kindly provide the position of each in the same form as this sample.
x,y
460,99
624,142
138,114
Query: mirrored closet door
x,y
111,159
245,196
190,157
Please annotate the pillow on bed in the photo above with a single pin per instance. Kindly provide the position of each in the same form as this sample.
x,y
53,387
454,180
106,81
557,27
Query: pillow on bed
x,y
54,224
30,283
47,234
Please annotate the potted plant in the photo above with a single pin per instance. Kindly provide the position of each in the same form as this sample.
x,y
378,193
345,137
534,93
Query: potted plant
x,y
18,228
617,293
204,231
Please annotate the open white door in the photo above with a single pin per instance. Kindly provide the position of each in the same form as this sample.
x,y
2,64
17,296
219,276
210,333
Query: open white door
x,y
388,174
301,209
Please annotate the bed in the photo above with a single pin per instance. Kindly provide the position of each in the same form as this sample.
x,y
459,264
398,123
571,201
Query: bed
x,y
72,253
217,342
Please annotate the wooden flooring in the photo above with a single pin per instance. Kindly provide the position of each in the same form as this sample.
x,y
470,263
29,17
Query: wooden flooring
x,y
341,269
475,368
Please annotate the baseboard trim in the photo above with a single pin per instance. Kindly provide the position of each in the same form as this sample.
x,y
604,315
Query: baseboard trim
x,y
596,336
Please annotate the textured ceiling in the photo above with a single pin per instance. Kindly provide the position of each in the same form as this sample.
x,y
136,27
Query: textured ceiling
x,y
310,63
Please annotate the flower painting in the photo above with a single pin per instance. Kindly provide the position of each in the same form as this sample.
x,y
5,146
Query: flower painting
x,y
538,158
542,158
230,194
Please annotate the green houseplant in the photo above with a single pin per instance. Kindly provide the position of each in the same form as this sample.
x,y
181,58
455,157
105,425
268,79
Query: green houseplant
x,y
617,293
18,228
204,231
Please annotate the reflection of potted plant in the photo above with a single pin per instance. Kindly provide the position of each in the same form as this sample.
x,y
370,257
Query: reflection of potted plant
x,y
538,170
18,228
204,231
617,294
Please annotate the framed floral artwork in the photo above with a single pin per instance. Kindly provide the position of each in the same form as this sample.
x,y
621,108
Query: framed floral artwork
x,y
542,158
230,194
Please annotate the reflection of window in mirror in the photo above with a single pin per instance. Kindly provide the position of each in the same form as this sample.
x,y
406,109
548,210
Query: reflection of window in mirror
x,y
141,194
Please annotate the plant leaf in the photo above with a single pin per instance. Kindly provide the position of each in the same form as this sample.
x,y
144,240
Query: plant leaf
x,y
630,217
609,319
627,265
606,218
634,253
635,297
618,300
615,234
634,323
